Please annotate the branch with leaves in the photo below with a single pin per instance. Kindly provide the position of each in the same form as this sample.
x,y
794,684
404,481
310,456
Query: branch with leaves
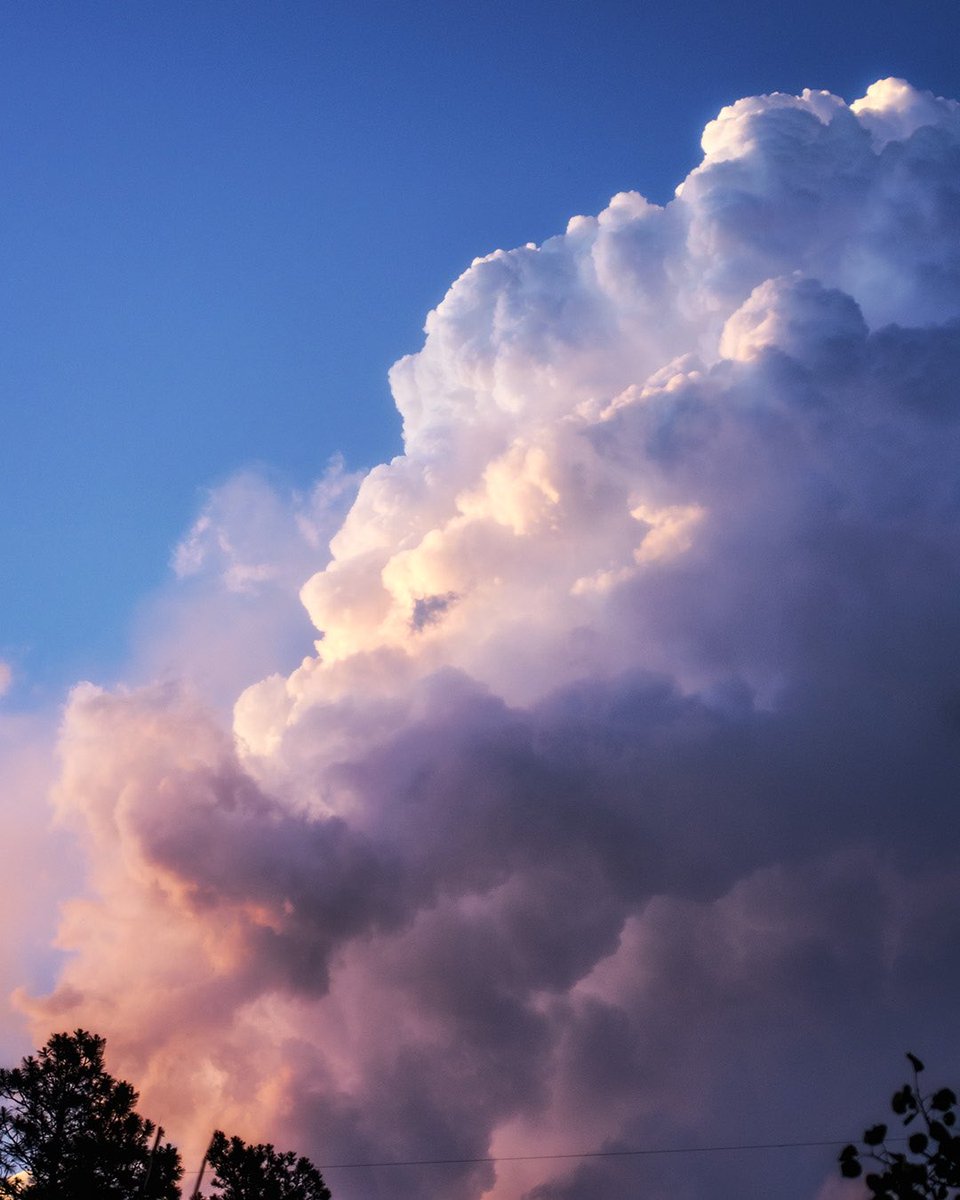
x,y
929,1169
69,1130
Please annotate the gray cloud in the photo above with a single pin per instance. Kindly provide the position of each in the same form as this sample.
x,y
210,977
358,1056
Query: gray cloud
x,y
650,837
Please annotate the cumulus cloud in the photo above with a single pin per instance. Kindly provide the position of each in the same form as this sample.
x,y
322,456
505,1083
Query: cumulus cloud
x,y
616,805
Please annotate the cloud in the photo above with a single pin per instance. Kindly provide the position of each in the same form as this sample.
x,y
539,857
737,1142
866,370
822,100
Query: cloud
x,y
231,614
616,807
38,872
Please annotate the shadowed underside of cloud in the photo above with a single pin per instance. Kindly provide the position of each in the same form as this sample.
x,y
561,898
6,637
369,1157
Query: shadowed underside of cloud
x,y
617,805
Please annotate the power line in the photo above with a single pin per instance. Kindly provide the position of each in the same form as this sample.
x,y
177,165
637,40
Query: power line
x,y
502,1158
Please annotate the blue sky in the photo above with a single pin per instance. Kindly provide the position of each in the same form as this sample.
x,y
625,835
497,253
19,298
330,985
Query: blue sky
x,y
221,223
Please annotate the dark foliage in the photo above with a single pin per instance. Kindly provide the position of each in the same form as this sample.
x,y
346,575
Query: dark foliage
x,y
73,1129
245,1172
927,1167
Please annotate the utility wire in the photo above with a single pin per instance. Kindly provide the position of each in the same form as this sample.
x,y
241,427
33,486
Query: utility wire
x,y
501,1158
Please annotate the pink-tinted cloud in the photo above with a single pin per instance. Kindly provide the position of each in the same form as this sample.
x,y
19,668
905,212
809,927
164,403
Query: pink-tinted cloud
x,y
616,807
37,873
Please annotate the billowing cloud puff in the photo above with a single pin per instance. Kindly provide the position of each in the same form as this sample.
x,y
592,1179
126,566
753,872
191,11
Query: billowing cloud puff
x,y
616,806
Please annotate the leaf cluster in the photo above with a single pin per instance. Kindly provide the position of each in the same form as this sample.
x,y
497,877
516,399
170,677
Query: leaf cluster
x,y
70,1131
262,1173
68,1128
929,1169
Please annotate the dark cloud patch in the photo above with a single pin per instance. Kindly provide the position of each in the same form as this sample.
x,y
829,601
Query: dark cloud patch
x,y
427,610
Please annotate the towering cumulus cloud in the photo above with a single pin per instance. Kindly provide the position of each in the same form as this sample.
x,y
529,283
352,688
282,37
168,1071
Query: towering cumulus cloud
x,y
617,805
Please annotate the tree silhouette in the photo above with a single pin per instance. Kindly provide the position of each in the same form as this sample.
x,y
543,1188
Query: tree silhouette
x,y
245,1172
70,1130
929,1168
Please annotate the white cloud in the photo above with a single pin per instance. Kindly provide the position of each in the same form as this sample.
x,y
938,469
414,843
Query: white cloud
x,y
620,789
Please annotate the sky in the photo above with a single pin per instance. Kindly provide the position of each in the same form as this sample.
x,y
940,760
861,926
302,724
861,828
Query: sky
x,y
479,649
223,223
